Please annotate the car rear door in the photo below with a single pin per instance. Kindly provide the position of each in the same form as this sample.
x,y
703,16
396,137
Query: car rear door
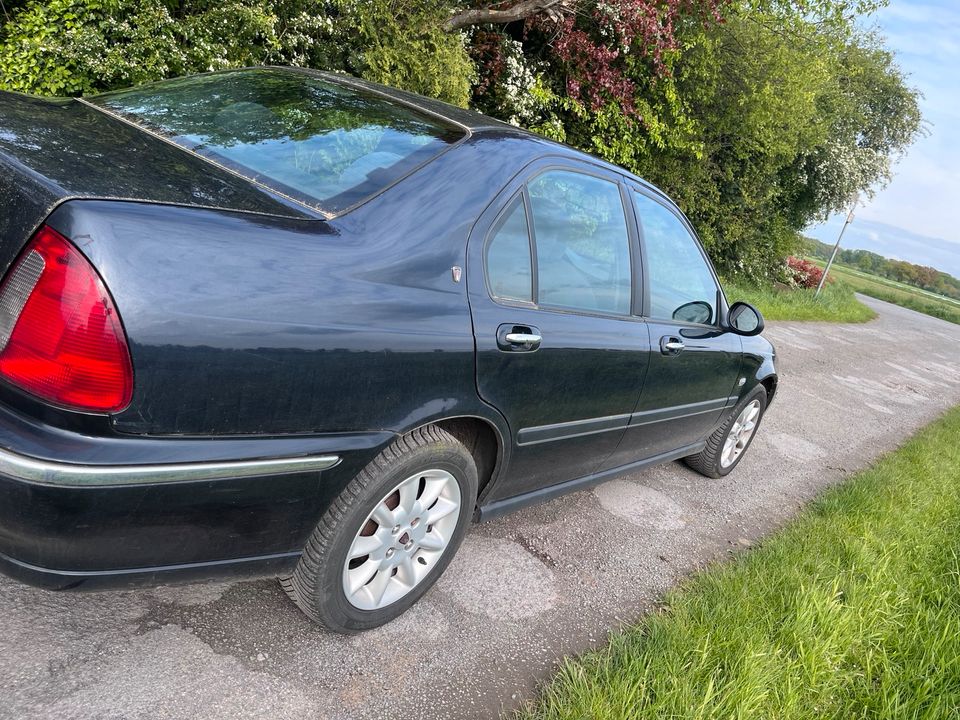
x,y
561,351
694,365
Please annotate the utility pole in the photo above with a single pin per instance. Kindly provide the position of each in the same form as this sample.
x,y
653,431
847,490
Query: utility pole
x,y
823,278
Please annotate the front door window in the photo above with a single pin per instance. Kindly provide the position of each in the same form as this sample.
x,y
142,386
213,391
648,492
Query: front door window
x,y
682,287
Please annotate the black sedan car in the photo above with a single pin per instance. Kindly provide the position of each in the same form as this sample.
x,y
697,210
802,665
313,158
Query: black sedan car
x,y
279,322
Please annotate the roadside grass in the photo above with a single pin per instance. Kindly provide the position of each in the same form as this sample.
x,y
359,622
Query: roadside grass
x,y
836,303
851,611
899,294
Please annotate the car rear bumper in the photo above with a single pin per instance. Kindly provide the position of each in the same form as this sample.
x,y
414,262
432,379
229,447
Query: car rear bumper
x,y
81,511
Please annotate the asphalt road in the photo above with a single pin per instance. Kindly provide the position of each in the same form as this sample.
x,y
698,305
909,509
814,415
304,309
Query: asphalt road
x,y
523,591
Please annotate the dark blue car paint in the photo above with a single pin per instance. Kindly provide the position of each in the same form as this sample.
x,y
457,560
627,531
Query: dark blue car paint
x,y
276,332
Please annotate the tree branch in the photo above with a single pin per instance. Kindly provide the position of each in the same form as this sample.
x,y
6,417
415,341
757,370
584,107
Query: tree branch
x,y
491,13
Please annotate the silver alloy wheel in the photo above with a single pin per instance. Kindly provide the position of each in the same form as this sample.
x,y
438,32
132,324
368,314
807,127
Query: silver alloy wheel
x,y
402,539
740,434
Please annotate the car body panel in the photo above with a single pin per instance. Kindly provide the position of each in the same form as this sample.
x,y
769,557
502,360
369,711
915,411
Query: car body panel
x,y
282,319
260,329
107,526
685,394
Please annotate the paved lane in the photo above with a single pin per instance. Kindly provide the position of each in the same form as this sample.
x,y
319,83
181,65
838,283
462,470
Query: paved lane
x,y
523,590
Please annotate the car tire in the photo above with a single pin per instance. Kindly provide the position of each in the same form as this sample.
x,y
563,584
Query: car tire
x,y
724,450
328,582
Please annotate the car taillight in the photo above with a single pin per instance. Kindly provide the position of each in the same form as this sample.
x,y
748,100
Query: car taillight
x,y
60,335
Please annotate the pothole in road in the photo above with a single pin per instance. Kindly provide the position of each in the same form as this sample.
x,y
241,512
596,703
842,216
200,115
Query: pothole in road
x,y
640,505
794,447
500,579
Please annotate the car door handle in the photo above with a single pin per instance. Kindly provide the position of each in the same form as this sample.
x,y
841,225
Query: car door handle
x,y
671,345
518,338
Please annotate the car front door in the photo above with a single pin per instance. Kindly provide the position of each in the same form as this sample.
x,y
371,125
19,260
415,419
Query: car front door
x,y
561,351
694,365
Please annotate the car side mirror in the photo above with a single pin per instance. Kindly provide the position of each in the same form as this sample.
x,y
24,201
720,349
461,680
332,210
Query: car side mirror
x,y
694,312
744,319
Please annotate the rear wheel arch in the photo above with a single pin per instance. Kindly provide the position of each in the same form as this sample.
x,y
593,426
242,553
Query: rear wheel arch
x,y
485,443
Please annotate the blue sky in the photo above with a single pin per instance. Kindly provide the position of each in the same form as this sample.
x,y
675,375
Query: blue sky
x,y
916,217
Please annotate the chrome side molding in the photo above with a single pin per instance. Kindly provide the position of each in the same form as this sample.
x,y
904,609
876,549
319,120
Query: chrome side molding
x,y
48,472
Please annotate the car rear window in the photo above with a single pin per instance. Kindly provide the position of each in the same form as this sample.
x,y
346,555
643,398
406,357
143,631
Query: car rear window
x,y
321,142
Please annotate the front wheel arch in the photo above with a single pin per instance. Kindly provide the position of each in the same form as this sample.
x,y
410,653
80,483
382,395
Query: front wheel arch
x,y
770,383
708,462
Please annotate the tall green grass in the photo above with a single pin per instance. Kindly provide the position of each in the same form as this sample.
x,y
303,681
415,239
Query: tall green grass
x,y
836,303
852,611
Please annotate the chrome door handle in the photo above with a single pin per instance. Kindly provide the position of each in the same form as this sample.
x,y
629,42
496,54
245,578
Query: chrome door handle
x,y
671,345
519,338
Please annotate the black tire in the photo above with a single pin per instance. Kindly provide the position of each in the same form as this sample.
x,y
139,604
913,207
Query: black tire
x,y
708,461
316,585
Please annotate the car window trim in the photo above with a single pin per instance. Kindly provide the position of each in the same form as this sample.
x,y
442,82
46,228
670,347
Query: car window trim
x,y
496,226
601,174
641,300
719,295
532,240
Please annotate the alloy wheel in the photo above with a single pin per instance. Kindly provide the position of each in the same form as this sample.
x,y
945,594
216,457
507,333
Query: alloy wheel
x,y
740,433
402,539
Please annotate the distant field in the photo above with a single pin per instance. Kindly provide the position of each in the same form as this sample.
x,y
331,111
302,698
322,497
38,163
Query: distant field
x,y
898,293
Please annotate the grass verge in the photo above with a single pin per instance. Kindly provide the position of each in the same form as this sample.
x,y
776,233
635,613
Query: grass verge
x,y
836,303
898,294
852,611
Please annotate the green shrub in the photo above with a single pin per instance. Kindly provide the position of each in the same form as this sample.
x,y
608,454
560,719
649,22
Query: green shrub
x,y
73,47
402,45
69,47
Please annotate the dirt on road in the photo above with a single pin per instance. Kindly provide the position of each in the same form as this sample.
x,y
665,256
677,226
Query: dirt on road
x,y
523,591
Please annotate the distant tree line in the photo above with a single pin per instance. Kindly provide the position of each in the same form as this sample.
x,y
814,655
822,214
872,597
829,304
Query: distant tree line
x,y
759,117
920,276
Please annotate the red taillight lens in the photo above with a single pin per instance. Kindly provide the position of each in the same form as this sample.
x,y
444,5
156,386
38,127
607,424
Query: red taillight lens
x,y
60,334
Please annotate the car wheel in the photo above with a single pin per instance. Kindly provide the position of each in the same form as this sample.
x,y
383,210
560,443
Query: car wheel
x,y
389,535
729,443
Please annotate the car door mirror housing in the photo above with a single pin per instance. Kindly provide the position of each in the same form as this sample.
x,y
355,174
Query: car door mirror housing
x,y
744,319
698,312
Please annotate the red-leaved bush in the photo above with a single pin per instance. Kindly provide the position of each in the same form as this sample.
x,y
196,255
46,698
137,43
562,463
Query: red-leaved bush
x,y
804,273
592,42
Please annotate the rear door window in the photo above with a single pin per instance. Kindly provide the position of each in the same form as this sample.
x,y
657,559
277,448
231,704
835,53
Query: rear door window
x,y
582,244
509,269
